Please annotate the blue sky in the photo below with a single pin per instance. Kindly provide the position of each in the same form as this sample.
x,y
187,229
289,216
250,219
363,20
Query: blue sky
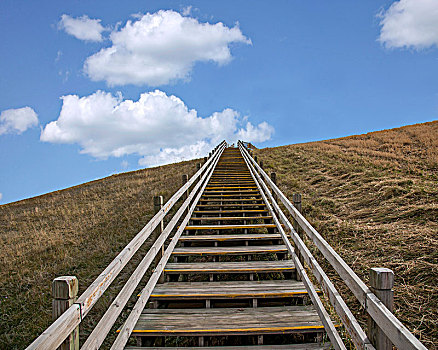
x,y
146,82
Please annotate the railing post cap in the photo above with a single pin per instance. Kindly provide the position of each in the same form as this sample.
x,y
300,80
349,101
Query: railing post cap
x,y
158,200
65,287
381,278
296,197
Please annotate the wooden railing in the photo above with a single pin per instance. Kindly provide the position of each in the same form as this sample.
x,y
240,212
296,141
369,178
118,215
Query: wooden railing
x,y
65,327
387,328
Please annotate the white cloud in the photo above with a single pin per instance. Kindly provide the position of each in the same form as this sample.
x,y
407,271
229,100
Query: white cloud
x,y
157,127
82,28
1,196
410,24
16,121
160,48
187,10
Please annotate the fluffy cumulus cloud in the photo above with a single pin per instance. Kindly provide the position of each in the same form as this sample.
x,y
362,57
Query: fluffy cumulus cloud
x,y
159,128
82,28
17,121
160,48
410,24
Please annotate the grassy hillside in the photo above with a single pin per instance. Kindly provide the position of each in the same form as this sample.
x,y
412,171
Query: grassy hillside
x,y
76,231
374,198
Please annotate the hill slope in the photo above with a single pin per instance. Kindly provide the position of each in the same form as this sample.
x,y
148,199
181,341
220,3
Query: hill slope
x,y
76,231
374,198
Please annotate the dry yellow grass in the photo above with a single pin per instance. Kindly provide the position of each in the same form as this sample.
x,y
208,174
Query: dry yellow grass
x,y
374,198
76,231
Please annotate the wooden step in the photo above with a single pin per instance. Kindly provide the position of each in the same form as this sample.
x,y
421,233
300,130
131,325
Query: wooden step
x,y
227,200
250,211
231,189
231,192
235,250
228,321
230,218
229,289
231,205
231,237
231,267
307,346
227,227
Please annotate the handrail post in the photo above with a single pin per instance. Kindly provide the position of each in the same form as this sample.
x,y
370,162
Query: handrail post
x,y
198,166
381,283
65,292
296,200
274,180
205,160
185,179
158,204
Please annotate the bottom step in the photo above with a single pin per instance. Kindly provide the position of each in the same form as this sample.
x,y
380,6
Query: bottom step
x,y
228,321
314,346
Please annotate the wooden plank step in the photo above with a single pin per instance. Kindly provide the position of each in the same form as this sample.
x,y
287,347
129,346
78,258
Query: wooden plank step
x,y
237,250
230,218
229,183
233,194
228,227
228,321
231,237
231,205
229,289
231,267
232,189
231,200
230,211
307,346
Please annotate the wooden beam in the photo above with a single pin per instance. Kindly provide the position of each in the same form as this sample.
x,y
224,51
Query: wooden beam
x,y
64,293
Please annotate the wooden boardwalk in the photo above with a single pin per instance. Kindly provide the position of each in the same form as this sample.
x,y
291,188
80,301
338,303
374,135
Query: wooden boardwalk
x,y
229,270
230,275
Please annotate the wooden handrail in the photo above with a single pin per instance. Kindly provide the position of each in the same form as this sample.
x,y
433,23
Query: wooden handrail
x,y
391,326
129,324
333,334
101,330
56,333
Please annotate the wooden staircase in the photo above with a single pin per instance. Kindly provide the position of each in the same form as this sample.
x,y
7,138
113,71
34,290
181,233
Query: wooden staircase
x,y
230,282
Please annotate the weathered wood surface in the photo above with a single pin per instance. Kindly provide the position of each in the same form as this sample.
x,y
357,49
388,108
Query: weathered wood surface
x,y
227,227
231,237
229,289
232,267
226,200
310,346
104,326
228,321
230,211
358,335
320,309
229,205
64,292
216,193
139,306
393,328
235,250
230,218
